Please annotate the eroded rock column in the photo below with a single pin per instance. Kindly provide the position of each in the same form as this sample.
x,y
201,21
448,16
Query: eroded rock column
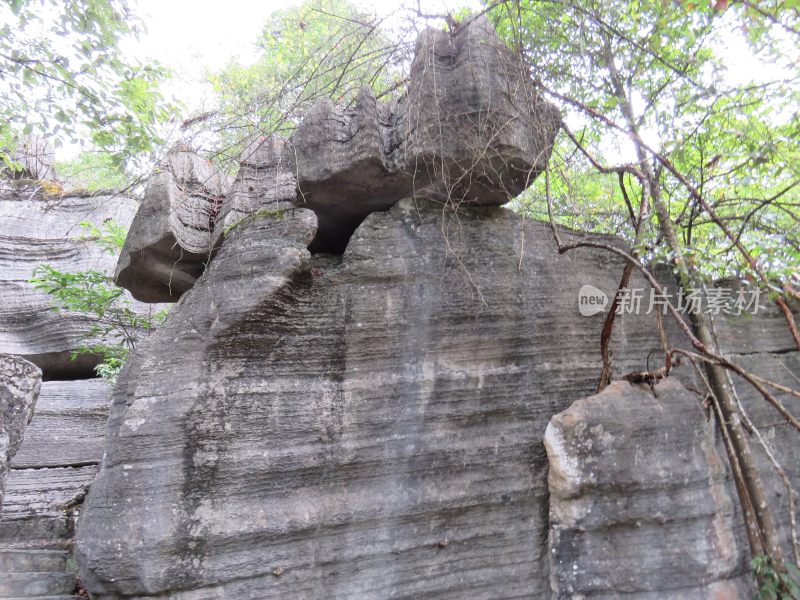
x,y
20,381
639,499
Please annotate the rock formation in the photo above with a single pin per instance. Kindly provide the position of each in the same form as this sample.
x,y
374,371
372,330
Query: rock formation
x,y
265,182
470,129
35,229
49,477
335,422
639,500
370,425
19,387
170,239
350,398
63,444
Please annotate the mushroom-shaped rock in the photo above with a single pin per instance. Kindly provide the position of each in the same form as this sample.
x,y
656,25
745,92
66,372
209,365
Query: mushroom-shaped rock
x,y
471,127
20,381
169,242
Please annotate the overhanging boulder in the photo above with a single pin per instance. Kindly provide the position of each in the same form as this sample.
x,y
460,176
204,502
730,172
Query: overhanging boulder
x,y
169,242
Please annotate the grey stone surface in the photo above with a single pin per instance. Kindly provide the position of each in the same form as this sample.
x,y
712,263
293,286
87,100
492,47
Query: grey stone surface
x,y
68,427
640,504
20,381
472,120
346,167
369,427
38,494
169,241
36,585
49,477
756,331
32,561
36,230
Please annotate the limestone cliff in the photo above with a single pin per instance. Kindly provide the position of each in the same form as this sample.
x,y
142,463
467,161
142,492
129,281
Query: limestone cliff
x,y
377,383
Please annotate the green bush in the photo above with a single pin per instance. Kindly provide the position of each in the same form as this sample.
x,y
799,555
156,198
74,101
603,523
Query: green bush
x,y
116,328
775,584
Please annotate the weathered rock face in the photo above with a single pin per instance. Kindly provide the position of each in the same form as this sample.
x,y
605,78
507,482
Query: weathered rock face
x,y
265,182
640,504
371,425
346,167
49,477
783,367
169,242
20,381
36,230
369,428
472,119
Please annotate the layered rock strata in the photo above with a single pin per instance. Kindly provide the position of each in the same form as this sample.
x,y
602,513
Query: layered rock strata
x,y
48,479
471,128
38,229
368,427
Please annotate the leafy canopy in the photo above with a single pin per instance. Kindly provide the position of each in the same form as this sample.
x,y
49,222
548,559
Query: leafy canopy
x,y
666,71
64,76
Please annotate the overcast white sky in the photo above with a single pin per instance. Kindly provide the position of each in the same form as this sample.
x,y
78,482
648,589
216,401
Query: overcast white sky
x,y
191,36
194,36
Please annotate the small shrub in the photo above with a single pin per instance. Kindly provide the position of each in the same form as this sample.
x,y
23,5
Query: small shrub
x,y
775,584
116,328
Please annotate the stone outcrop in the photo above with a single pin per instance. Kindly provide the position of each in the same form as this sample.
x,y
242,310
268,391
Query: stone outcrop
x,y
38,229
371,426
368,427
472,120
349,399
20,381
169,241
640,504
49,477
471,128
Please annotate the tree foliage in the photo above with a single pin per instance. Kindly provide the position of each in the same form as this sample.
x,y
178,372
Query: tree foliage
x,y
318,49
735,141
64,76
92,171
